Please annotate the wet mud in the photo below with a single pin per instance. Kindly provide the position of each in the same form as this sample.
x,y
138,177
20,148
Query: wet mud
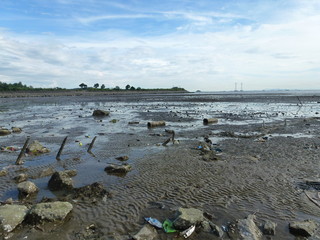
x,y
266,147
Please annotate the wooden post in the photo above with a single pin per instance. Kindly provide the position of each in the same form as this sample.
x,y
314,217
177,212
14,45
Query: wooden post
x,y
91,144
19,159
61,148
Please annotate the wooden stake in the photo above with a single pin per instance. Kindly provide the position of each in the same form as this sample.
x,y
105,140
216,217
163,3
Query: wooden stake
x,y
61,148
19,159
91,144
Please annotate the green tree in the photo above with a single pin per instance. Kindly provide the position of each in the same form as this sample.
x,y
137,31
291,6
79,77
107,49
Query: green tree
x,y
96,85
132,88
128,87
117,88
103,86
83,86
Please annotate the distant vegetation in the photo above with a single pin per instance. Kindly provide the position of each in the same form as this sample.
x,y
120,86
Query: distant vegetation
x,y
82,87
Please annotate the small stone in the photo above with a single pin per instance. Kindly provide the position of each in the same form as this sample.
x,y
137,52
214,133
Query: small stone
x,y
4,131
36,148
100,113
122,158
16,130
305,228
269,228
60,181
27,188
146,233
3,172
71,173
21,178
46,172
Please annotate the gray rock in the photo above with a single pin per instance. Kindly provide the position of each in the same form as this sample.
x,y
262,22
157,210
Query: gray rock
x,y
120,169
46,172
11,216
3,172
269,228
60,181
100,113
21,178
27,188
49,212
146,233
187,217
305,228
71,173
36,148
210,227
248,230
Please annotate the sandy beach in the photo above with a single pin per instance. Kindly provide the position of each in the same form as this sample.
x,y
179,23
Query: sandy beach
x,y
264,148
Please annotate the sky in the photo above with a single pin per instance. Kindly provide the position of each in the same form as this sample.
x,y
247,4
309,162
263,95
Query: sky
x,y
207,45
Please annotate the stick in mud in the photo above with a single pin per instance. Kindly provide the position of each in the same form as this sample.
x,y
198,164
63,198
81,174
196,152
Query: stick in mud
x,y
19,159
61,148
91,144
166,142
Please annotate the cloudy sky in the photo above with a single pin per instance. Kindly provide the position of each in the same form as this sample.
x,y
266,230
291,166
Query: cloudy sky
x,y
204,44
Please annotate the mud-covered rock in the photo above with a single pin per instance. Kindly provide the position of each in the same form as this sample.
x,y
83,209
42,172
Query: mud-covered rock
x,y
187,217
92,192
46,172
100,113
210,156
3,172
36,148
118,169
210,227
4,132
60,181
11,216
71,173
269,228
122,158
20,178
48,212
146,233
27,188
304,228
16,130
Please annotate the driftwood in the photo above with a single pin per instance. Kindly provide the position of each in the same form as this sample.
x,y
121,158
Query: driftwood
x,y
166,142
210,120
61,148
19,159
156,124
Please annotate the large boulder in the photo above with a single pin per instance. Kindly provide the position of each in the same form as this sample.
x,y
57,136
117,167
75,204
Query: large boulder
x,y
27,188
60,181
49,212
187,217
146,233
305,228
11,216
100,113
248,230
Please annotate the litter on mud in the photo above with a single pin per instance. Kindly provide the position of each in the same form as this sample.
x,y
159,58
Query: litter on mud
x,y
9,149
168,226
187,233
154,222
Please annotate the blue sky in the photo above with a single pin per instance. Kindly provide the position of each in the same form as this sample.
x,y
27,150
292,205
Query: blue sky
x,y
204,44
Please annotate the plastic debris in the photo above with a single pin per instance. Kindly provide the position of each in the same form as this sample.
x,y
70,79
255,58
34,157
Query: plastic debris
x,y
153,222
187,233
10,149
168,226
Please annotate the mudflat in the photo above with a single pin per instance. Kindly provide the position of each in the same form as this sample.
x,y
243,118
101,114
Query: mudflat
x,y
264,150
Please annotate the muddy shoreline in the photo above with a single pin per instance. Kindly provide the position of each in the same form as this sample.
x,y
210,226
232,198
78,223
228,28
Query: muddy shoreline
x,y
251,176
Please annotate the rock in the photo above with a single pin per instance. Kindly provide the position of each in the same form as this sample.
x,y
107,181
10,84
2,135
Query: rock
x,y
146,233
187,217
3,172
93,191
100,113
122,158
27,188
11,216
269,228
210,227
21,178
35,148
48,212
248,230
46,172
120,169
71,173
60,181
16,130
305,228
210,156
4,131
